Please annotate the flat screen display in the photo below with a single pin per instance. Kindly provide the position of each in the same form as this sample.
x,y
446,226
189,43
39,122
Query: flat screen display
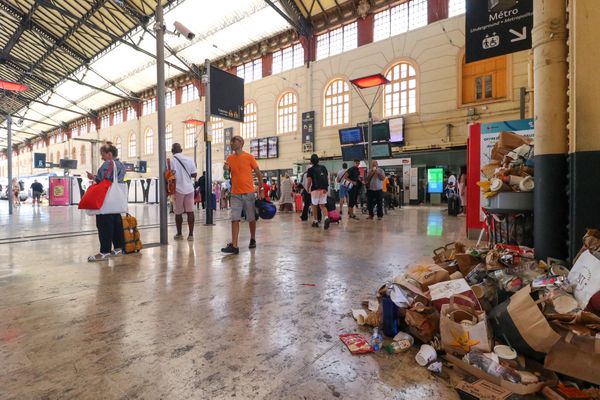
x,y
351,136
129,167
356,152
273,151
381,132
397,131
226,95
67,164
263,145
435,180
381,150
254,148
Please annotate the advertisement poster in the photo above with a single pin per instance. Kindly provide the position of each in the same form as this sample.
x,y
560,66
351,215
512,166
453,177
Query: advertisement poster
x,y
59,191
482,138
273,147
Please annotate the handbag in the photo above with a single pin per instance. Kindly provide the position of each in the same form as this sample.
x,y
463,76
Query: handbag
x,y
93,198
170,179
115,201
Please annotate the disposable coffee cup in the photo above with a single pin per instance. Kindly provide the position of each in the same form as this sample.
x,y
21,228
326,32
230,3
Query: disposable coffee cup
x,y
527,184
426,355
505,352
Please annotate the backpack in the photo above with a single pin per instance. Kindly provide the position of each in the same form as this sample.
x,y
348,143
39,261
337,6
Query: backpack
x,y
170,179
321,178
131,235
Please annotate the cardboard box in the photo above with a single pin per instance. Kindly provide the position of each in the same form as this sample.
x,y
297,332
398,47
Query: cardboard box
x,y
517,388
481,389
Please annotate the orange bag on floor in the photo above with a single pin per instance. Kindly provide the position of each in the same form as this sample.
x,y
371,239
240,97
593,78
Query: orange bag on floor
x,y
131,234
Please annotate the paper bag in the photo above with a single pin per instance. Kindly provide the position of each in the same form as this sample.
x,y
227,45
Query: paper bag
x,y
511,140
427,274
440,293
571,360
585,275
519,323
461,338
423,322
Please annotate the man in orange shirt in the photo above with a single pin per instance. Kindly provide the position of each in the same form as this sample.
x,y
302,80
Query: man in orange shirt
x,y
241,164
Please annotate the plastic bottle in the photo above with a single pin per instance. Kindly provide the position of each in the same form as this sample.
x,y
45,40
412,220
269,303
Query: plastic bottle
x,y
376,340
479,360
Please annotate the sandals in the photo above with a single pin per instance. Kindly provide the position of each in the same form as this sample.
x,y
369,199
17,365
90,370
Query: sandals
x,y
99,257
116,252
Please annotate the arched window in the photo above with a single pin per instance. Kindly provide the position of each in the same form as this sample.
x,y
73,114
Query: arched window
x,y
74,153
169,137
58,156
189,135
82,154
132,145
287,113
149,141
249,127
336,103
118,146
400,95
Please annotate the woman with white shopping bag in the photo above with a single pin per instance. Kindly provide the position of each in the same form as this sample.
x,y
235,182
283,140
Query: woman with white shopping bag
x,y
108,217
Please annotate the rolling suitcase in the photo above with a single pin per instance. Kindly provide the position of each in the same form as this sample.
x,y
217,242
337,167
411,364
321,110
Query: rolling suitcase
x,y
334,216
453,204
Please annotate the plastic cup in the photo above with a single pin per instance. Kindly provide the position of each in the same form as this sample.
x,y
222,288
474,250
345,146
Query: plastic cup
x,y
426,355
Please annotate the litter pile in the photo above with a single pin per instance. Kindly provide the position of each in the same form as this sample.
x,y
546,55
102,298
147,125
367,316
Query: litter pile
x,y
504,319
511,166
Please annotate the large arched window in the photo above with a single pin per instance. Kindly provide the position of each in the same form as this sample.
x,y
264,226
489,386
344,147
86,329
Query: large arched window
x,y
336,103
287,113
168,136
149,141
189,135
249,127
118,146
400,95
132,145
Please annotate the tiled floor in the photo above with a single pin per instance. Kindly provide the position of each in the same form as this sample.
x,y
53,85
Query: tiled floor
x,y
185,322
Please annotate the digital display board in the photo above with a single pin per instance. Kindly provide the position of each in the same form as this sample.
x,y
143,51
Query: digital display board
x,y
273,149
397,131
351,136
381,132
435,180
263,145
381,150
39,160
355,152
254,148
67,164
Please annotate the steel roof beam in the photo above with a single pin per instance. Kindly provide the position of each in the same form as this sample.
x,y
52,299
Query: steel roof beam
x,y
28,100
292,14
23,25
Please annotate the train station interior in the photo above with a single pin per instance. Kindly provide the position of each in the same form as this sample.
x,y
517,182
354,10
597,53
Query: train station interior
x,y
299,199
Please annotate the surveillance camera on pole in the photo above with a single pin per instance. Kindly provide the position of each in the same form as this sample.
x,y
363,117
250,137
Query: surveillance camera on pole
x,y
182,30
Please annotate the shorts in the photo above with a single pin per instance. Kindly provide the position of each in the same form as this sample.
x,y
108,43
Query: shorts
x,y
318,197
343,192
36,195
243,202
184,203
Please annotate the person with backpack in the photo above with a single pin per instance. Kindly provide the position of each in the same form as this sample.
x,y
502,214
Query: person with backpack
x,y
318,184
185,175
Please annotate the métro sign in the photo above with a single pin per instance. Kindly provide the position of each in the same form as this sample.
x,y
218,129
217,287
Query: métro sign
x,y
497,27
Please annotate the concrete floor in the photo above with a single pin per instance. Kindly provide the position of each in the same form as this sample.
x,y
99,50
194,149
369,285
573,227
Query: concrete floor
x,y
185,322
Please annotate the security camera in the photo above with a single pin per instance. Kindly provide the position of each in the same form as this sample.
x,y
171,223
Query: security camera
x,y
182,30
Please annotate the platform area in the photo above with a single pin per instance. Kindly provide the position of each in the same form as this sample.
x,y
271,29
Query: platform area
x,y
183,321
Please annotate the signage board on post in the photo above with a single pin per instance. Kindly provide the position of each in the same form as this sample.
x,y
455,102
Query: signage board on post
x,y
226,95
308,132
39,160
497,27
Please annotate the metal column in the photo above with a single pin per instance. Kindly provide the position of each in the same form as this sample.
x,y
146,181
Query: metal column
x,y
551,136
9,152
160,98
369,140
208,141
